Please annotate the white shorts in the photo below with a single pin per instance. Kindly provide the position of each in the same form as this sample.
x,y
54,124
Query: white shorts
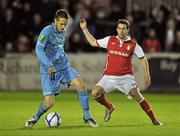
x,y
122,83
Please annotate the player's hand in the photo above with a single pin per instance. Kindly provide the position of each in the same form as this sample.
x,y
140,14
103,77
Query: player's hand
x,y
51,70
82,23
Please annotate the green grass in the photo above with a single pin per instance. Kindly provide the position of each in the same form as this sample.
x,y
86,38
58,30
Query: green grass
x,y
127,120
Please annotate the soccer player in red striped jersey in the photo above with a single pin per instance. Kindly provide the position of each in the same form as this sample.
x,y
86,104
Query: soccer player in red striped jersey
x,y
118,73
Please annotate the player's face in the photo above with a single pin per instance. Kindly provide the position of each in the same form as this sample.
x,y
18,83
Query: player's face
x,y
122,31
60,23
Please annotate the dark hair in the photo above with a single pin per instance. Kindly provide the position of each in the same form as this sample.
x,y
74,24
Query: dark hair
x,y
61,13
123,21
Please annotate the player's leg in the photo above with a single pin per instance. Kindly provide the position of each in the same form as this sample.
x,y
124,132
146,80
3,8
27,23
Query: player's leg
x,y
136,95
47,103
72,78
98,92
48,100
79,85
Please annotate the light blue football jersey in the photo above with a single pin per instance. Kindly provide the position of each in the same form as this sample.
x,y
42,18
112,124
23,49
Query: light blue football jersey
x,y
50,49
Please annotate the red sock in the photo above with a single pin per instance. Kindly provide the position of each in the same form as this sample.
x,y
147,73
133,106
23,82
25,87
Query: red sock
x,y
146,107
103,100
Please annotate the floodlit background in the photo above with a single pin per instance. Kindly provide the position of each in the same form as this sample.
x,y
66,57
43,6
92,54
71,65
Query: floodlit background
x,y
155,24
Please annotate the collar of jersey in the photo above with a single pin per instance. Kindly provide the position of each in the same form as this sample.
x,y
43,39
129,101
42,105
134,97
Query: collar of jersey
x,y
125,39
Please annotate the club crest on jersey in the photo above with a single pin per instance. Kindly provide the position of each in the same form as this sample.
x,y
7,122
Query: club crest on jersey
x,y
128,47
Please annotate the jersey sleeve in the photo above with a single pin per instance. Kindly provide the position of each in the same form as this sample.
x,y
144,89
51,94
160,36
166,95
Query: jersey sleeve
x,y
103,42
41,45
138,51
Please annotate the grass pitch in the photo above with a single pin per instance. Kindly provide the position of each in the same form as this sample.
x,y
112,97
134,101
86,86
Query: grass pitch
x,y
127,120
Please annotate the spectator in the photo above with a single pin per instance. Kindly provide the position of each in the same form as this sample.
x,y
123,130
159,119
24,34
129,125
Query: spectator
x,y
158,6
11,26
134,27
28,17
175,14
75,42
138,13
37,25
176,44
23,44
117,11
151,43
159,25
170,35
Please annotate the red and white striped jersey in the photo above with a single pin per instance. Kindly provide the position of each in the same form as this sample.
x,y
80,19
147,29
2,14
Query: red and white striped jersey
x,y
120,52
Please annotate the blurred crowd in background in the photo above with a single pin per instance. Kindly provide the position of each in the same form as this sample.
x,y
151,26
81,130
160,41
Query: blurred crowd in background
x,y
155,27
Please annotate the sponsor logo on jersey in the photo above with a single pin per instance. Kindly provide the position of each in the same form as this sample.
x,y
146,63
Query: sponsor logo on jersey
x,y
119,53
59,46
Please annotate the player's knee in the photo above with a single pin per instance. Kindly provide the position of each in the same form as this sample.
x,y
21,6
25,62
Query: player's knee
x,y
81,86
95,93
136,95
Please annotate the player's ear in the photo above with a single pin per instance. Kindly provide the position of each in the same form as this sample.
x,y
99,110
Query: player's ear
x,y
128,31
55,21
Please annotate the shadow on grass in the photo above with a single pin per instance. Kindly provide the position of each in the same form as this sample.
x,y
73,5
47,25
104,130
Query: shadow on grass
x,y
124,126
101,126
45,128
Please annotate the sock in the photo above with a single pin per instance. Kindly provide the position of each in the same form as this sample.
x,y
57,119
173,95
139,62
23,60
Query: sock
x,y
84,101
146,107
103,100
40,112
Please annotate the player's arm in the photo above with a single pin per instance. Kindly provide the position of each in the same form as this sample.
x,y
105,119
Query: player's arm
x,y
144,62
40,47
87,34
147,76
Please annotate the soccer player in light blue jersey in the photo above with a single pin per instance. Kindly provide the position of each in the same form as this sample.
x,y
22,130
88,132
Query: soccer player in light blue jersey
x,y
55,69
